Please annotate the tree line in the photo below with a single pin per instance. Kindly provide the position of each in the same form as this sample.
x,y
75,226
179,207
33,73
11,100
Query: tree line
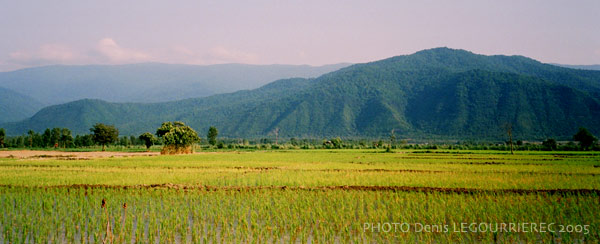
x,y
180,137
176,134
55,137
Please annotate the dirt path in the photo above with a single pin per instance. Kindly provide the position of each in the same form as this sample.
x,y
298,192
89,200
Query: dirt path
x,y
71,155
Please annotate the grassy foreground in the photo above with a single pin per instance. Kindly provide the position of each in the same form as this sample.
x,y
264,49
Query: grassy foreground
x,y
306,196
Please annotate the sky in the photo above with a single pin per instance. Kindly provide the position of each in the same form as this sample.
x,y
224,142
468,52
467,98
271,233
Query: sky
x,y
77,32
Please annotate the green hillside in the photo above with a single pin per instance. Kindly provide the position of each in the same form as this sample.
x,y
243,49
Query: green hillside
x,y
442,93
15,106
131,118
477,103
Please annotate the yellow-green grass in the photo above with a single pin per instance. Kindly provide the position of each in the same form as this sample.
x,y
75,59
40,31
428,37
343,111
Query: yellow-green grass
x,y
316,168
284,196
258,216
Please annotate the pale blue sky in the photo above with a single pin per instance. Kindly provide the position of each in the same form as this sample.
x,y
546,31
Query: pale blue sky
x,y
290,32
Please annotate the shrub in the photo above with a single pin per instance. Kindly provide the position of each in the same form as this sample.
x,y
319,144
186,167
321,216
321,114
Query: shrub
x,y
177,137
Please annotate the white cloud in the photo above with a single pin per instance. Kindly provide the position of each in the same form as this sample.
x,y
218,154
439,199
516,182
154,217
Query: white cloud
x,y
57,52
110,50
214,55
220,54
46,54
181,54
106,51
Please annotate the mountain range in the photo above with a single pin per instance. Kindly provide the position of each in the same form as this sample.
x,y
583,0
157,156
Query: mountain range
x,y
15,106
434,93
586,67
147,82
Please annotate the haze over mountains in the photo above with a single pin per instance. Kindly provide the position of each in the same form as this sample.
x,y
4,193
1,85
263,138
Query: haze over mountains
x,y
15,106
440,93
586,67
149,82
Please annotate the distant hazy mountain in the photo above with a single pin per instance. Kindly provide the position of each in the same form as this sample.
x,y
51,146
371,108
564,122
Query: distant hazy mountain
x,y
440,92
15,106
150,82
586,67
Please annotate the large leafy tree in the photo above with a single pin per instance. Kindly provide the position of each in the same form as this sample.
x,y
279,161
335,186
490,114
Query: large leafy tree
x,y
104,134
212,135
148,139
585,138
177,137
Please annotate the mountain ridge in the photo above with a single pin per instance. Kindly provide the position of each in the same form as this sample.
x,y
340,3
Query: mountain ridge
x,y
144,82
439,93
16,106
147,82
584,67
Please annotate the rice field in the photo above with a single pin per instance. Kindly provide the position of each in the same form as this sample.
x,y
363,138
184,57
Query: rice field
x,y
301,196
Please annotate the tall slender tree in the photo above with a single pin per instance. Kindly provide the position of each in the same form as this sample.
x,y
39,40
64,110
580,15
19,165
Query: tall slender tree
x,y
392,140
31,133
509,131
66,139
46,137
212,135
276,131
2,136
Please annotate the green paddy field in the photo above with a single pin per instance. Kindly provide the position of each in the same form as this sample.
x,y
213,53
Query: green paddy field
x,y
303,196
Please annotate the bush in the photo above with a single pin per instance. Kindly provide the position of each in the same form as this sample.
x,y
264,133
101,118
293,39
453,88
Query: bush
x,y
177,137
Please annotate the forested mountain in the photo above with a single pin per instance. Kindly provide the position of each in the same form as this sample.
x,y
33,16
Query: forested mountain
x,y
133,117
15,106
149,82
443,93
